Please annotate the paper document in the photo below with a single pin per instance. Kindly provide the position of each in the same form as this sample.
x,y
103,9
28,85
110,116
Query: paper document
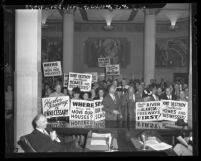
x,y
98,142
158,146
106,135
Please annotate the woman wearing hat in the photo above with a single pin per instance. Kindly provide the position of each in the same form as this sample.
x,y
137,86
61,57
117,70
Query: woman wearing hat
x,y
76,93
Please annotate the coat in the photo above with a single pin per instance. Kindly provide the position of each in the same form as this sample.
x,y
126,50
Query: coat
x,y
109,105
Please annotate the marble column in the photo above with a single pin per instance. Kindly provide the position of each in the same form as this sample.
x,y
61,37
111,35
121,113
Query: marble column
x,y
28,76
149,45
68,40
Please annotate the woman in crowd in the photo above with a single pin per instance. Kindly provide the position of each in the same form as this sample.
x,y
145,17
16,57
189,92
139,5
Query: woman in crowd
x,y
159,92
93,94
100,94
76,93
70,93
182,96
57,92
48,90
86,96
139,94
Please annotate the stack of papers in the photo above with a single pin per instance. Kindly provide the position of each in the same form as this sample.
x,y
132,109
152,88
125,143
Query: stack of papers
x,y
154,144
97,135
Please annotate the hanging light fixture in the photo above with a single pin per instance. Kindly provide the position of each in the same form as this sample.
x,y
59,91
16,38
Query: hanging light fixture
x,y
108,16
173,17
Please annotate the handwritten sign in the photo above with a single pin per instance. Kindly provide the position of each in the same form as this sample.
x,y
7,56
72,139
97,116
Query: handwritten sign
x,y
113,69
52,69
94,76
148,111
82,110
148,125
173,110
102,62
55,106
98,113
65,82
81,80
81,123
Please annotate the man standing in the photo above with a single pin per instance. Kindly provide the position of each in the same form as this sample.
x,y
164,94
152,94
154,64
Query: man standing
x,y
111,105
168,95
43,139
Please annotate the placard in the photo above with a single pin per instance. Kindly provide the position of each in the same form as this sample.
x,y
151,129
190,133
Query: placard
x,y
149,125
65,82
173,110
81,80
113,69
98,113
82,110
52,69
148,111
94,76
55,106
81,123
102,62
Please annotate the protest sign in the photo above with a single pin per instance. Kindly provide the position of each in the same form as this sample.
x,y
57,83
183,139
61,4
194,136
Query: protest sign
x,y
98,113
82,110
101,76
148,125
173,110
65,82
52,69
113,69
94,76
55,106
81,80
148,111
102,62
99,124
81,123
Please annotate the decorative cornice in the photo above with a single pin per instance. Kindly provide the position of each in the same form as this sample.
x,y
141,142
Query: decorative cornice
x,y
149,11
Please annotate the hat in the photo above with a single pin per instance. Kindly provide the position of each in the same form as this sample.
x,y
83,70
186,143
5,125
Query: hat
x,y
180,122
119,89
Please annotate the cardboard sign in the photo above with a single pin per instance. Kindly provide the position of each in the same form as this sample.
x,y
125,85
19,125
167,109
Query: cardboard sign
x,y
65,82
98,113
173,110
81,123
113,69
82,110
148,111
101,76
55,106
102,62
148,125
94,76
99,124
81,80
52,69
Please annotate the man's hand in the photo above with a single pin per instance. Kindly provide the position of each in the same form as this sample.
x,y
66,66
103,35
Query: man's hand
x,y
116,112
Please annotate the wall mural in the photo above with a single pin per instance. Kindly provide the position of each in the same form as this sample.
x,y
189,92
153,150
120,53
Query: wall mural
x,y
118,49
172,52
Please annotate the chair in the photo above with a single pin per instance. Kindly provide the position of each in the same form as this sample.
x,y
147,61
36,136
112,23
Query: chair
x,y
25,144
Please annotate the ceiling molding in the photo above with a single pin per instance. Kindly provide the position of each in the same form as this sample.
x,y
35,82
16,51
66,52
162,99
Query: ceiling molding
x,y
132,15
84,15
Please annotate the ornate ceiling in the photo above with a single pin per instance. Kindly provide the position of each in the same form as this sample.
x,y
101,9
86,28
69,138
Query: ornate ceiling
x,y
179,11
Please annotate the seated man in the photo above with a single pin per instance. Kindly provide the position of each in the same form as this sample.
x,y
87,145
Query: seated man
x,y
43,139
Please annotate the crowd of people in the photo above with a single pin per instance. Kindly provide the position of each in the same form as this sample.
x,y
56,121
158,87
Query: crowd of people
x,y
119,96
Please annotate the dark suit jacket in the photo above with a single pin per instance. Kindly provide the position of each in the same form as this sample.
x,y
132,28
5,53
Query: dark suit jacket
x,y
164,97
129,113
153,99
43,143
109,105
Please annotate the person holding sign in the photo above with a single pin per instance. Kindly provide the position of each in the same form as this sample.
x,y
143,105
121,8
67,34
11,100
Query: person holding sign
x,y
111,105
182,96
57,92
153,96
100,95
44,139
76,93
168,95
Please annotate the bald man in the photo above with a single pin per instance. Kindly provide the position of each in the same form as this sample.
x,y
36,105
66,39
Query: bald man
x,y
43,139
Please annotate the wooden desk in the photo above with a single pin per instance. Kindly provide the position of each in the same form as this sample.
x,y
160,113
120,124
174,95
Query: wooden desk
x,y
123,131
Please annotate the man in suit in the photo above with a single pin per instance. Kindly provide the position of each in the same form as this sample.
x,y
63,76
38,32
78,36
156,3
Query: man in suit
x,y
44,139
168,95
153,96
111,105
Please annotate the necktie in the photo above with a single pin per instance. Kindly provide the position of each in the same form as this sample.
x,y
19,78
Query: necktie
x,y
45,132
114,99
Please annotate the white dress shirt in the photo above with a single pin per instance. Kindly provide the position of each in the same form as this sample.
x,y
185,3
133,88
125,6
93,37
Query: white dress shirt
x,y
46,133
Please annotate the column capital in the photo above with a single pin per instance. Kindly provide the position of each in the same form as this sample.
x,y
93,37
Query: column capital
x,y
149,11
